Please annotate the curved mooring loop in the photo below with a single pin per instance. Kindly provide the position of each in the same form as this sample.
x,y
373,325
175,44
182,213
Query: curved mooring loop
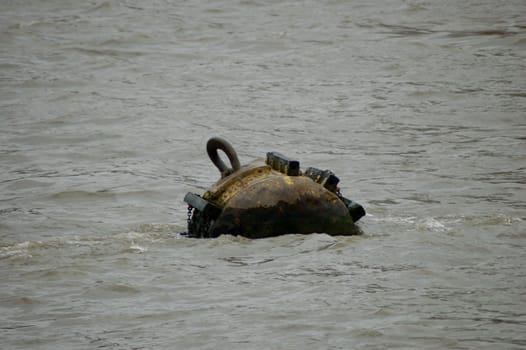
x,y
216,143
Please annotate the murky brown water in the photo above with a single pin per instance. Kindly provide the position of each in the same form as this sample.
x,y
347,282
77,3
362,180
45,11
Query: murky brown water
x,y
417,106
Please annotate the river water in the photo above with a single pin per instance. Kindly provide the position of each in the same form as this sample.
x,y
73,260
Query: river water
x,y
418,106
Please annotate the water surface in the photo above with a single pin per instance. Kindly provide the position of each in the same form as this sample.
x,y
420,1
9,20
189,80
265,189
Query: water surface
x,y
417,106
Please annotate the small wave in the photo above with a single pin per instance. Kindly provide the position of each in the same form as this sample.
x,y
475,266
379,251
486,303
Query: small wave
x,y
81,194
105,290
432,224
125,242
246,261
483,32
157,228
56,273
23,25
122,288
426,224
408,220
19,300
498,219
25,249
520,42
13,254
512,235
135,248
400,30
448,223
423,198
109,52
394,29
512,94
103,5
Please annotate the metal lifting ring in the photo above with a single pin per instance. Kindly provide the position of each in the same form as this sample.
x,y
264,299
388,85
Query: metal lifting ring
x,y
216,143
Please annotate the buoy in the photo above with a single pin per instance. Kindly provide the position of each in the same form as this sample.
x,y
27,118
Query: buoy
x,y
269,197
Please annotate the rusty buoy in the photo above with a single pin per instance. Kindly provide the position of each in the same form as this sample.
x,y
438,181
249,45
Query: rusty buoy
x,y
269,197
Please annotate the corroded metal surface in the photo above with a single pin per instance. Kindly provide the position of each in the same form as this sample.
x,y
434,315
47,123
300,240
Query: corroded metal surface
x,y
281,204
269,198
228,187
